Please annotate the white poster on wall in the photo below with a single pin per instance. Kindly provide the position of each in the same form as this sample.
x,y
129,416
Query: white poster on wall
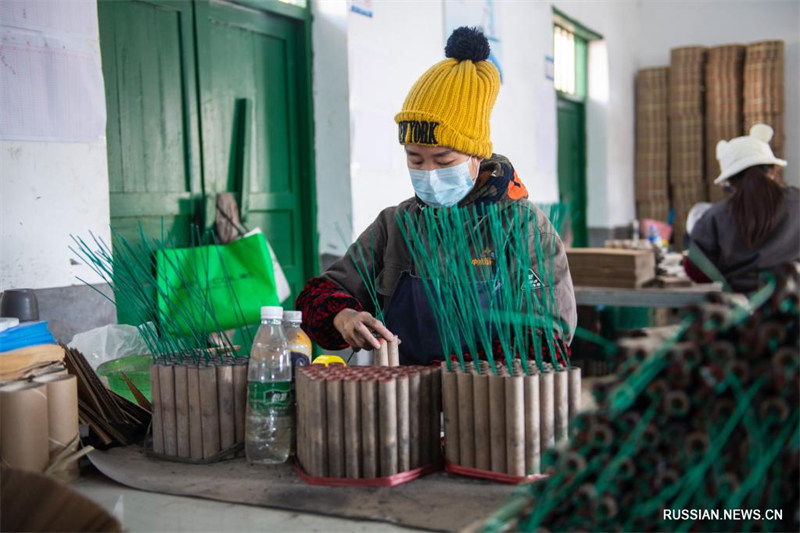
x,y
480,14
51,77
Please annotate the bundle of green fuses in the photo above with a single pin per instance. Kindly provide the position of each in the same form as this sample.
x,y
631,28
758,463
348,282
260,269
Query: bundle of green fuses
x,y
702,434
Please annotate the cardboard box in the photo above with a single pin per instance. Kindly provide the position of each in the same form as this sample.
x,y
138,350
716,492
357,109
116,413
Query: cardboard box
x,y
604,267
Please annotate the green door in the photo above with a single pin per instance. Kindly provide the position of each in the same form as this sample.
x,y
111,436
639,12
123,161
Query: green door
x,y
152,132
248,66
572,165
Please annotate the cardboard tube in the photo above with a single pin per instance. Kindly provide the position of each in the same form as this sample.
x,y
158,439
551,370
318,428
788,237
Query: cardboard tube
x,y
533,438
352,427
480,399
299,378
387,422
333,393
450,408
574,393
369,427
166,384
182,435
466,426
209,410
239,398
497,423
24,426
195,417
436,415
155,402
317,426
546,410
425,391
227,406
561,404
62,410
382,354
403,429
515,425
414,392
393,352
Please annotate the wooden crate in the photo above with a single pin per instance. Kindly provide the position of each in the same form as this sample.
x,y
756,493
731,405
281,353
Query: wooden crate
x,y
604,267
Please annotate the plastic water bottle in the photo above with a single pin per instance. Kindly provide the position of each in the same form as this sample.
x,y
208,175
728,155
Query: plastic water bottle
x,y
299,350
268,428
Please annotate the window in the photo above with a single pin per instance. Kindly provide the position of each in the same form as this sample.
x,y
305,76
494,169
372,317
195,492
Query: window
x,y
569,58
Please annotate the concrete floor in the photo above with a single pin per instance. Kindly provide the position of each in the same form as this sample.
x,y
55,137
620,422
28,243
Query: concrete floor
x,y
140,511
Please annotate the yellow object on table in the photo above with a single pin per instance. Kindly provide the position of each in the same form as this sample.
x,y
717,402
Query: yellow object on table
x,y
327,360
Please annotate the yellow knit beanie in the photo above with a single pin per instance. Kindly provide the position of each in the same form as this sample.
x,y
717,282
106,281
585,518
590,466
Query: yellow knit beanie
x,y
451,102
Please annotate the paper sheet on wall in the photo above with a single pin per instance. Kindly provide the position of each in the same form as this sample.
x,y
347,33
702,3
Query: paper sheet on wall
x,y
51,78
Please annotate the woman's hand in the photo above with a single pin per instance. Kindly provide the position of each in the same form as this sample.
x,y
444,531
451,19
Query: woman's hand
x,y
355,328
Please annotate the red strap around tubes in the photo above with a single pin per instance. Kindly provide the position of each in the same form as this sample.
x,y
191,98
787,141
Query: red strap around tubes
x,y
387,481
499,477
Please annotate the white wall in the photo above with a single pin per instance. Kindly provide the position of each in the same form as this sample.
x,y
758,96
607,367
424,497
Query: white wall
x,y
49,190
717,23
331,124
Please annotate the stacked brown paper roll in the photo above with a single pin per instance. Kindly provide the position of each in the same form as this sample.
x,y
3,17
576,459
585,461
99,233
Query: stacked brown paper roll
x,y
724,95
62,408
764,90
652,143
198,411
367,422
503,423
24,426
686,146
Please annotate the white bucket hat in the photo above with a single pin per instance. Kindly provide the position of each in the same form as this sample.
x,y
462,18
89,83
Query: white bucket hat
x,y
744,152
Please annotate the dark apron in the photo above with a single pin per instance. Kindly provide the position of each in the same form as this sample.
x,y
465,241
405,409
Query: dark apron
x,y
409,316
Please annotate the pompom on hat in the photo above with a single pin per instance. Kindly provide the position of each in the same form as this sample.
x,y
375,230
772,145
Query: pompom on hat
x,y
742,153
450,104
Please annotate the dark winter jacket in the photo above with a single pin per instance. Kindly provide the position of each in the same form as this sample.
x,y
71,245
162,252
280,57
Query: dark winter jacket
x,y
341,287
717,237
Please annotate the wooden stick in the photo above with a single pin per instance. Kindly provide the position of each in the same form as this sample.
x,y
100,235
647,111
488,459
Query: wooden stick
x,y
155,392
387,402
450,407
414,427
403,428
182,411
497,423
561,399
195,416
546,410
352,427
515,425
333,393
239,398
480,399
533,438
209,410
466,426
166,385
369,426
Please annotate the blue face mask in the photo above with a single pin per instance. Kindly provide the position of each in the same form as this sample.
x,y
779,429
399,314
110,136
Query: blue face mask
x,y
442,187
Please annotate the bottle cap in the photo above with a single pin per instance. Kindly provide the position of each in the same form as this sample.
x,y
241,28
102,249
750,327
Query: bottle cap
x,y
271,313
293,316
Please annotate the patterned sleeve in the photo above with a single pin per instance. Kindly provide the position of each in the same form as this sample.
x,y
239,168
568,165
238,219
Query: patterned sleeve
x,y
320,301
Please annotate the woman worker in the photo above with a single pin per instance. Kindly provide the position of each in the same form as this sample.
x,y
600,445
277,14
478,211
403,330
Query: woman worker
x,y
444,127
757,227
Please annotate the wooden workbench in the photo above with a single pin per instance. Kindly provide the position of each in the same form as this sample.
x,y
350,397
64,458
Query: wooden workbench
x,y
649,297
